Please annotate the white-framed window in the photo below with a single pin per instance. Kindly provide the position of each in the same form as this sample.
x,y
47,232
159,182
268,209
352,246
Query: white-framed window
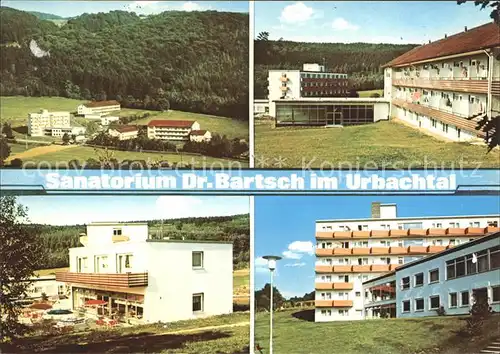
x,y
401,260
433,302
405,283
418,279
197,259
434,275
453,300
358,293
405,306
455,225
198,302
474,224
464,298
419,305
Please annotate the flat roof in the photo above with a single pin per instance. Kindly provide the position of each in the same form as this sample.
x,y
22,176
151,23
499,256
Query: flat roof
x,y
190,241
333,100
118,223
411,218
451,250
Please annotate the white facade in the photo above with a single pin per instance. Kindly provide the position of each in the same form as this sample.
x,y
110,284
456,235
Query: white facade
x,y
98,107
164,130
352,251
123,134
47,285
102,119
260,107
204,136
60,131
175,281
38,122
422,295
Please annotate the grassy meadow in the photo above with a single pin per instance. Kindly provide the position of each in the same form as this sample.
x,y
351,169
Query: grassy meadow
x,y
368,93
296,332
386,144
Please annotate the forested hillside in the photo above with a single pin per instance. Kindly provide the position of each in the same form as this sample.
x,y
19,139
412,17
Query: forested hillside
x,y
190,61
361,61
58,239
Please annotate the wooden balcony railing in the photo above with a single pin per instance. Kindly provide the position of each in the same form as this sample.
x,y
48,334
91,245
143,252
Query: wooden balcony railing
x,y
120,280
472,86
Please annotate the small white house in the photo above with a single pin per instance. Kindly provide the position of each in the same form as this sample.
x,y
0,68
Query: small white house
x,y
200,136
124,132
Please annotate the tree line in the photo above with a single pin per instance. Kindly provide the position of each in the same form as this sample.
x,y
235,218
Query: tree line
x,y
191,61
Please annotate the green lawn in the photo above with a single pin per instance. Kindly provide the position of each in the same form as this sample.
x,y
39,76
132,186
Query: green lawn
x,y
370,92
83,153
157,338
20,147
379,145
232,128
401,336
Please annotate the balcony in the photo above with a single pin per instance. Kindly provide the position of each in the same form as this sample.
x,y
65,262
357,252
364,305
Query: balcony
x,y
435,249
324,252
417,232
436,232
361,268
341,251
342,303
323,303
398,250
120,280
343,286
323,269
417,249
342,234
380,268
380,234
455,231
379,250
323,286
321,235
445,84
342,268
474,230
360,251
398,233
361,234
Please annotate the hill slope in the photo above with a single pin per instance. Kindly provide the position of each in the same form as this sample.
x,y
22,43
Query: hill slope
x,y
196,61
46,16
361,61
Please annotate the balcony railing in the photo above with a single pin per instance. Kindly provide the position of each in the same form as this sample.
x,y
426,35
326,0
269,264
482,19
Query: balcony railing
x,y
333,303
120,280
444,84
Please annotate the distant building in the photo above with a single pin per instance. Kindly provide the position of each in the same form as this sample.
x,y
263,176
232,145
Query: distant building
x,y
174,130
39,122
46,284
446,87
121,272
96,107
60,131
124,132
260,107
200,136
102,119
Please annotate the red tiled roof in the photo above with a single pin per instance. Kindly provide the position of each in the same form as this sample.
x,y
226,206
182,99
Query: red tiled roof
x,y
125,128
101,103
171,123
198,132
482,37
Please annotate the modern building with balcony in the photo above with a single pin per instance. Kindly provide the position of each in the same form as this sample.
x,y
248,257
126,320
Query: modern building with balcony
x,y
121,271
173,130
98,107
350,252
446,87
43,122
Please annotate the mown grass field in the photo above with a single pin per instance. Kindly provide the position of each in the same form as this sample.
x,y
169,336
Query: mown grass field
x,y
379,145
368,93
232,128
218,334
396,336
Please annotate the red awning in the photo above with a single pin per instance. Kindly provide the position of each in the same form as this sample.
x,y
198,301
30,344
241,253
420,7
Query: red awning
x,y
95,302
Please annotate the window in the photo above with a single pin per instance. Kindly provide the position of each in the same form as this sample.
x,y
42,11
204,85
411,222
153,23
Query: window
x,y
495,291
419,304
464,298
198,259
470,264
406,306
453,300
493,223
400,260
128,261
343,312
385,226
495,257
386,260
454,224
434,302
437,225
474,224
419,279
358,293
60,290
117,232
38,289
460,267
405,283
434,276
197,302
326,312
345,244
482,261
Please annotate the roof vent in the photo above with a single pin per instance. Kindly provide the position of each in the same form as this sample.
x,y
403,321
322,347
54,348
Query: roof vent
x,y
465,30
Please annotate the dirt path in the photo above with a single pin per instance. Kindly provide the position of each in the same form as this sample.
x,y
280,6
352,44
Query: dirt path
x,y
208,328
39,150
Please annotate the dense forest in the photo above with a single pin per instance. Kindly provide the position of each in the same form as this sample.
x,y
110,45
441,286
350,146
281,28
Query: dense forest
x,y
58,239
191,61
362,61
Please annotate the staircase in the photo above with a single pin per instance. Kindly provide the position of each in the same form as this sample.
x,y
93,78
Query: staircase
x,y
493,348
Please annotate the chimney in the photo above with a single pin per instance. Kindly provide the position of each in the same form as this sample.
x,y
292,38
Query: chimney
x,y
465,30
375,210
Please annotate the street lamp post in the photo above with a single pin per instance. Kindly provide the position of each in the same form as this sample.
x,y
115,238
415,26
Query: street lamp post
x,y
271,263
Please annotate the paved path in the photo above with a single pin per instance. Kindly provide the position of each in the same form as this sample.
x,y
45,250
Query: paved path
x,y
39,150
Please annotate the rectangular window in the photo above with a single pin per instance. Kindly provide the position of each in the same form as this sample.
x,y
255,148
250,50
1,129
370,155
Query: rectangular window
x,y
198,302
406,306
419,304
419,279
482,261
460,267
433,302
117,232
453,300
358,293
343,312
495,291
434,276
197,258
450,270
405,283
470,265
464,298
495,257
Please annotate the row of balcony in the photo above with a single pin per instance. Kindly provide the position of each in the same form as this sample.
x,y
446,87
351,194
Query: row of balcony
x,y
334,286
365,268
333,303
326,252
471,85
469,231
118,280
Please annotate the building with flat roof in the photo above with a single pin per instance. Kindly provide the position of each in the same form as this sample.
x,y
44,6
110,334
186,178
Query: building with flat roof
x,y
446,87
42,123
120,271
173,130
352,251
45,285
98,107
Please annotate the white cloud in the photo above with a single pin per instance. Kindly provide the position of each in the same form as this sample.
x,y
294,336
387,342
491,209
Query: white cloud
x,y
169,207
296,264
191,6
291,255
341,24
302,247
296,13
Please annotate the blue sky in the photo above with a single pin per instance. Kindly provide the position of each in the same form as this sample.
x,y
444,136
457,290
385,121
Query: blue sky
x,y
69,210
284,226
366,21
75,8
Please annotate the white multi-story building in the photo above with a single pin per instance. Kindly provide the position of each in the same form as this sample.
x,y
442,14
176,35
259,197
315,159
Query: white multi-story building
x,y
98,107
350,252
446,87
174,130
45,285
121,271
124,132
38,123
450,281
